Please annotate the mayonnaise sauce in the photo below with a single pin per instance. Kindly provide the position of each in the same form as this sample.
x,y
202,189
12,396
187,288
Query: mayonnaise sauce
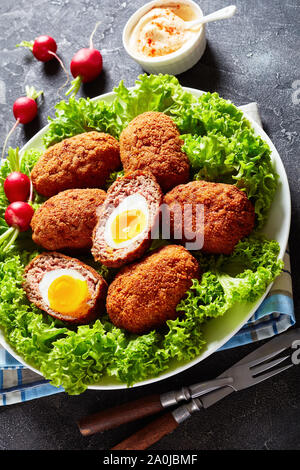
x,y
161,30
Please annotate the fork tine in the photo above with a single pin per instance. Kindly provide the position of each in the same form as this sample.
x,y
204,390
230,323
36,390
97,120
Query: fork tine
x,y
265,358
262,377
265,366
275,345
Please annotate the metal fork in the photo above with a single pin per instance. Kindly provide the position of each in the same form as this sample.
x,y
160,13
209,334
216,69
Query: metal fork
x,y
249,371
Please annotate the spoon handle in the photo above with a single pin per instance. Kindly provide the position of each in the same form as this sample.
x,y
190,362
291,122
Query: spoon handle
x,y
222,14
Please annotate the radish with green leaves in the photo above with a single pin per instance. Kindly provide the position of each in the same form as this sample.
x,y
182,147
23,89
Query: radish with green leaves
x,y
18,215
44,49
85,66
17,186
25,110
19,192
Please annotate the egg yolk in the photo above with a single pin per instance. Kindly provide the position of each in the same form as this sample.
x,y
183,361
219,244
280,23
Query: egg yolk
x,y
128,225
68,295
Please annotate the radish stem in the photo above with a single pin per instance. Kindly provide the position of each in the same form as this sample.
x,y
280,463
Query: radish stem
x,y
14,159
32,93
6,234
28,44
92,35
31,193
73,90
13,238
63,67
7,137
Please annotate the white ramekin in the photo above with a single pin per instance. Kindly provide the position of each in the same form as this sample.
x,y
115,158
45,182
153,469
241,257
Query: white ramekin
x,y
176,62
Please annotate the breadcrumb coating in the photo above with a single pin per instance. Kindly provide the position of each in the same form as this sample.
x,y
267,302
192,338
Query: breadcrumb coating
x,y
228,214
144,295
82,161
67,220
152,142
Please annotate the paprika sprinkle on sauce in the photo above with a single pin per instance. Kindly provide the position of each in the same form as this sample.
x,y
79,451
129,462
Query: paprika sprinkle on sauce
x,y
161,30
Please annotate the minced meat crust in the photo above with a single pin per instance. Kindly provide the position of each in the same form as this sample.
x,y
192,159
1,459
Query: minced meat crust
x,y
144,295
228,214
66,221
152,142
83,161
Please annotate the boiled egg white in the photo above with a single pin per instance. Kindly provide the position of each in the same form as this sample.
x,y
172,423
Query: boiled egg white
x,y
65,291
127,222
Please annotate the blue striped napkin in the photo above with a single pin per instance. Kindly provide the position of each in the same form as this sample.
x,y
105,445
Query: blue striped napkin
x,y
275,315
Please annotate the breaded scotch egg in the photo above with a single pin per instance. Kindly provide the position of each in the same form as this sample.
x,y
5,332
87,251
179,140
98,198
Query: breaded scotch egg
x,y
82,161
144,295
66,221
65,288
228,215
127,219
152,142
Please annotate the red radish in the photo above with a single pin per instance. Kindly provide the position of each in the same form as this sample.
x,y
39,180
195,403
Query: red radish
x,y
18,215
87,63
85,66
25,110
44,48
17,186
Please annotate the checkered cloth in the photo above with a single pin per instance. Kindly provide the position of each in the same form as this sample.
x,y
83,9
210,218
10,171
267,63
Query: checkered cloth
x,y
275,315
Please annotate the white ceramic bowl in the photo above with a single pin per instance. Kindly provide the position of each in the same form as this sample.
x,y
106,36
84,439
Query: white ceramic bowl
x,y
218,330
177,62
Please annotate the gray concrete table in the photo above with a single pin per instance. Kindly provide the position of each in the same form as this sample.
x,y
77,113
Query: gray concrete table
x,y
252,57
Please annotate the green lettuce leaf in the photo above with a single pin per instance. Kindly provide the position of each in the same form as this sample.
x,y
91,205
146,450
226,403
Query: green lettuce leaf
x,y
161,93
76,116
241,277
242,159
112,178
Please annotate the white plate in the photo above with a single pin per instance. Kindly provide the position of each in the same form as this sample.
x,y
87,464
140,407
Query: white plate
x,y
219,330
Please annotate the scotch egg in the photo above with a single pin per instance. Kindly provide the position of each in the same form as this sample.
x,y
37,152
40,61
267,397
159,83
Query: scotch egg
x,y
127,219
65,288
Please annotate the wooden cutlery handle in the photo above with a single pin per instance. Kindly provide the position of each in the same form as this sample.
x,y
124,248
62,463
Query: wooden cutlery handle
x,y
114,417
150,434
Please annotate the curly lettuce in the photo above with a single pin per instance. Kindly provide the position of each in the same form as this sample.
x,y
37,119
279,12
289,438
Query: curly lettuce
x,y
242,159
241,277
77,116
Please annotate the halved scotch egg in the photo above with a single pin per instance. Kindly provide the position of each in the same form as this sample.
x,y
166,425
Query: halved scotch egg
x,y
127,219
65,288
65,291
